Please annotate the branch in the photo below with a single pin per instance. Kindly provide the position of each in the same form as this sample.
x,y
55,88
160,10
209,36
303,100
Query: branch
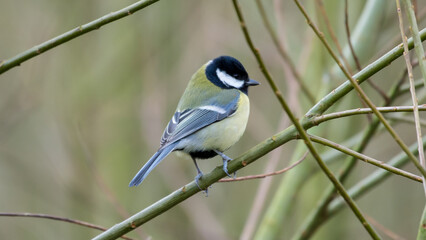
x,y
318,215
191,188
321,7
301,130
418,47
368,71
283,53
5,65
351,112
357,63
372,180
412,89
56,218
267,174
365,158
254,153
362,93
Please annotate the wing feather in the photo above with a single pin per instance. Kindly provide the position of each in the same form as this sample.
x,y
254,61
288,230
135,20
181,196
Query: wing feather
x,y
189,121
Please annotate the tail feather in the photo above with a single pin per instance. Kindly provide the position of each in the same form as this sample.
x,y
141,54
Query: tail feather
x,y
151,164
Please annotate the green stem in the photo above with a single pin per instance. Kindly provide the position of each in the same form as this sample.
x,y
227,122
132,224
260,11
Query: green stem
x,y
418,47
319,214
371,181
351,112
256,152
300,129
327,101
283,53
365,158
412,88
5,65
362,93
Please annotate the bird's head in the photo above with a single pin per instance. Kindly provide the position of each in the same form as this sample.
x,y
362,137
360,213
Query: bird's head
x,y
227,72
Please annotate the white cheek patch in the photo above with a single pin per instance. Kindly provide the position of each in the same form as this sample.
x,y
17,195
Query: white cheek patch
x,y
228,80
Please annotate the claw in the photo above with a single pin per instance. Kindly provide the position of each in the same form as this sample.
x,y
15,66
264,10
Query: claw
x,y
225,166
197,178
225,159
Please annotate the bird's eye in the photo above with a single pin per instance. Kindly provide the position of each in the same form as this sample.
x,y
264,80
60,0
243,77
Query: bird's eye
x,y
235,75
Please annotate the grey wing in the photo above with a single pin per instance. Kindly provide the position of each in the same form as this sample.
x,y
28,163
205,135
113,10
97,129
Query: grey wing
x,y
189,121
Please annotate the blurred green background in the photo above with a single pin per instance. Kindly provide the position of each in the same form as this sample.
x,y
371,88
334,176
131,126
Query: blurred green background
x,y
77,122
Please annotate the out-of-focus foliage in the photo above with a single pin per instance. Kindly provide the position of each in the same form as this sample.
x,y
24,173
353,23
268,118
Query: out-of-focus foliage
x,y
77,122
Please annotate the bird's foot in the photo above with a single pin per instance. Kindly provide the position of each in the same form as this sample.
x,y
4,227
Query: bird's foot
x,y
197,178
225,167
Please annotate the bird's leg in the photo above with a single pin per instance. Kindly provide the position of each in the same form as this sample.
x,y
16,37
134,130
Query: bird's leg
x,y
225,159
199,175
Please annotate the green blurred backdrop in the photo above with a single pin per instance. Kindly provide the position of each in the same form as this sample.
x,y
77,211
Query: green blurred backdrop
x,y
77,122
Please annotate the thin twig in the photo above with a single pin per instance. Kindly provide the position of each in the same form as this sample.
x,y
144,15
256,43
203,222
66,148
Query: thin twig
x,y
321,7
355,57
254,153
351,112
319,215
418,47
326,102
396,39
412,91
299,127
374,179
362,94
339,49
365,158
283,53
266,174
56,218
5,65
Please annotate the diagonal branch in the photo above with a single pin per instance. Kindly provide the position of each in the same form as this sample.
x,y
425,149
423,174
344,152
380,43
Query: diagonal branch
x,y
56,218
283,53
372,180
357,63
362,93
338,185
412,90
5,65
365,158
418,47
254,153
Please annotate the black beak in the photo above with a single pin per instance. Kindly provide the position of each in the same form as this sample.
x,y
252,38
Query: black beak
x,y
252,82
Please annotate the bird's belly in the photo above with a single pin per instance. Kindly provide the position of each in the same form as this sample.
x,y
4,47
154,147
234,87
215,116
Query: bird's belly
x,y
220,135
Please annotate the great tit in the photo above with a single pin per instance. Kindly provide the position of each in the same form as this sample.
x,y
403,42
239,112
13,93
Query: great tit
x,y
211,116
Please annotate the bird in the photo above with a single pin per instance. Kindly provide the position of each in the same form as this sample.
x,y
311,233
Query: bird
x,y
211,116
